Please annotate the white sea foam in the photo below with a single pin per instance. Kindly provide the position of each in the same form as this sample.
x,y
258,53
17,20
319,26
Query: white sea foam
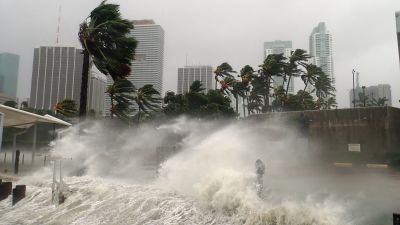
x,y
211,180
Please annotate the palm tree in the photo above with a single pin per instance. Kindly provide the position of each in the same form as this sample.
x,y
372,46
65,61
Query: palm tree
x,y
147,98
298,57
311,75
104,38
121,95
67,108
246,74
237,91
223,70
273,66
324,86
255,103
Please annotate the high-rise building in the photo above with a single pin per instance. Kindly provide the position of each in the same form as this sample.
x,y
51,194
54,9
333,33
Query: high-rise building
x,y
147,67
372,94
188,74
96,89
321,49
279,47
398,30
9,64
57,75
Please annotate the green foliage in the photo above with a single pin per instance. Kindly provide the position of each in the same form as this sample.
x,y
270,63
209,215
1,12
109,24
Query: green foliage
x,y
12,104
67,108
121,95
198,104
105,35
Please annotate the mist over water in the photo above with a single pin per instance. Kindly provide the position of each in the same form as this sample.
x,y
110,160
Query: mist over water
x,y
210,179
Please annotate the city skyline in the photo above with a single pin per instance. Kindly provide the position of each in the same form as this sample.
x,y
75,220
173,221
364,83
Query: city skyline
x,y
191,38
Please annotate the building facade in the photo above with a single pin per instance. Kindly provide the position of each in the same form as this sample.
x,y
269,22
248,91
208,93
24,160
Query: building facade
x,y
321,49
148,65
96,89
372,95
398,30
188,74
56,75
279,47
9,65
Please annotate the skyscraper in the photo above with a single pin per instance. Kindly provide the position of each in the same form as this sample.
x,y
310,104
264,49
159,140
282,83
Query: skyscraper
x,y
279,47
147,67
188,74
9,64
398,30
321,49
57,74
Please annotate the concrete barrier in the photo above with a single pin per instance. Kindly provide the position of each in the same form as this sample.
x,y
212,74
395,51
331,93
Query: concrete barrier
x,y
5,190
19,193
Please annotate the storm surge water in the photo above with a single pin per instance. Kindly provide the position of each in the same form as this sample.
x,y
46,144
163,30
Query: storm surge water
x,y
198,172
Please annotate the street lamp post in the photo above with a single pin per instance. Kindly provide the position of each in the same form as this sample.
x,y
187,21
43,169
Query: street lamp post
x,y
363,87
354,91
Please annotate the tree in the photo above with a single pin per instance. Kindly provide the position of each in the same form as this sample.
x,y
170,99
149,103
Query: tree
x,y
11,103
67,108
324,86
121,94
148,99
223,70
24,104
273,66
104,38
311,75
246,74
298,57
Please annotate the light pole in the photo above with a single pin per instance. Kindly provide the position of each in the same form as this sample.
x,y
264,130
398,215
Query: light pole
x,y
363,87
354,91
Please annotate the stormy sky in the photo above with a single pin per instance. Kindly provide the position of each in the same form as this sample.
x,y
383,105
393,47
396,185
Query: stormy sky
x,y
216,31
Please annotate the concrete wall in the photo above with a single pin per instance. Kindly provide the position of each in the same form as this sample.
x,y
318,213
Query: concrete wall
x,y
376,129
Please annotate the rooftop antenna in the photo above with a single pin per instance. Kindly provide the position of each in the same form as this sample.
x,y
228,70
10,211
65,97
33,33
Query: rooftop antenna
x,y
186,60
58,25
358,79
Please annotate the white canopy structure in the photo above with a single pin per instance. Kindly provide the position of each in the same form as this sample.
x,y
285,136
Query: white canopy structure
x,y
11,117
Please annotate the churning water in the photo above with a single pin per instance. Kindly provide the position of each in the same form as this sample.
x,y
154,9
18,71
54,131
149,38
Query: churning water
x,y
208,179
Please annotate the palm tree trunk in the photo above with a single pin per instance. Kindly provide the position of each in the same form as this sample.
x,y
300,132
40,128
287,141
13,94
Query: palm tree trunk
x,y
84,86
112,107
305,85
138,118
244,107
237,105
287,87
247,101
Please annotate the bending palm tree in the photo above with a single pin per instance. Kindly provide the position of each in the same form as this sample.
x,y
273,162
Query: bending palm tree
x,y
147,98
223,70
246,74
67,108
121,95
104,39
298,57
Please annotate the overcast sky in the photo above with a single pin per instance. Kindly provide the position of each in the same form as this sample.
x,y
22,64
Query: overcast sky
x,y
216,31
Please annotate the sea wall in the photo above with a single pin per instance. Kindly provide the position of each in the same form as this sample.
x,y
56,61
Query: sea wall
x,y
375,129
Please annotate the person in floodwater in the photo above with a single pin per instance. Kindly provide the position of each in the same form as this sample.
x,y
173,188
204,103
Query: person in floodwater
x,y
260,170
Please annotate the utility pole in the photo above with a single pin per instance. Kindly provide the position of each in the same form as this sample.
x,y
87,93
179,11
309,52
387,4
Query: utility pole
x,y
363,88
354,91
